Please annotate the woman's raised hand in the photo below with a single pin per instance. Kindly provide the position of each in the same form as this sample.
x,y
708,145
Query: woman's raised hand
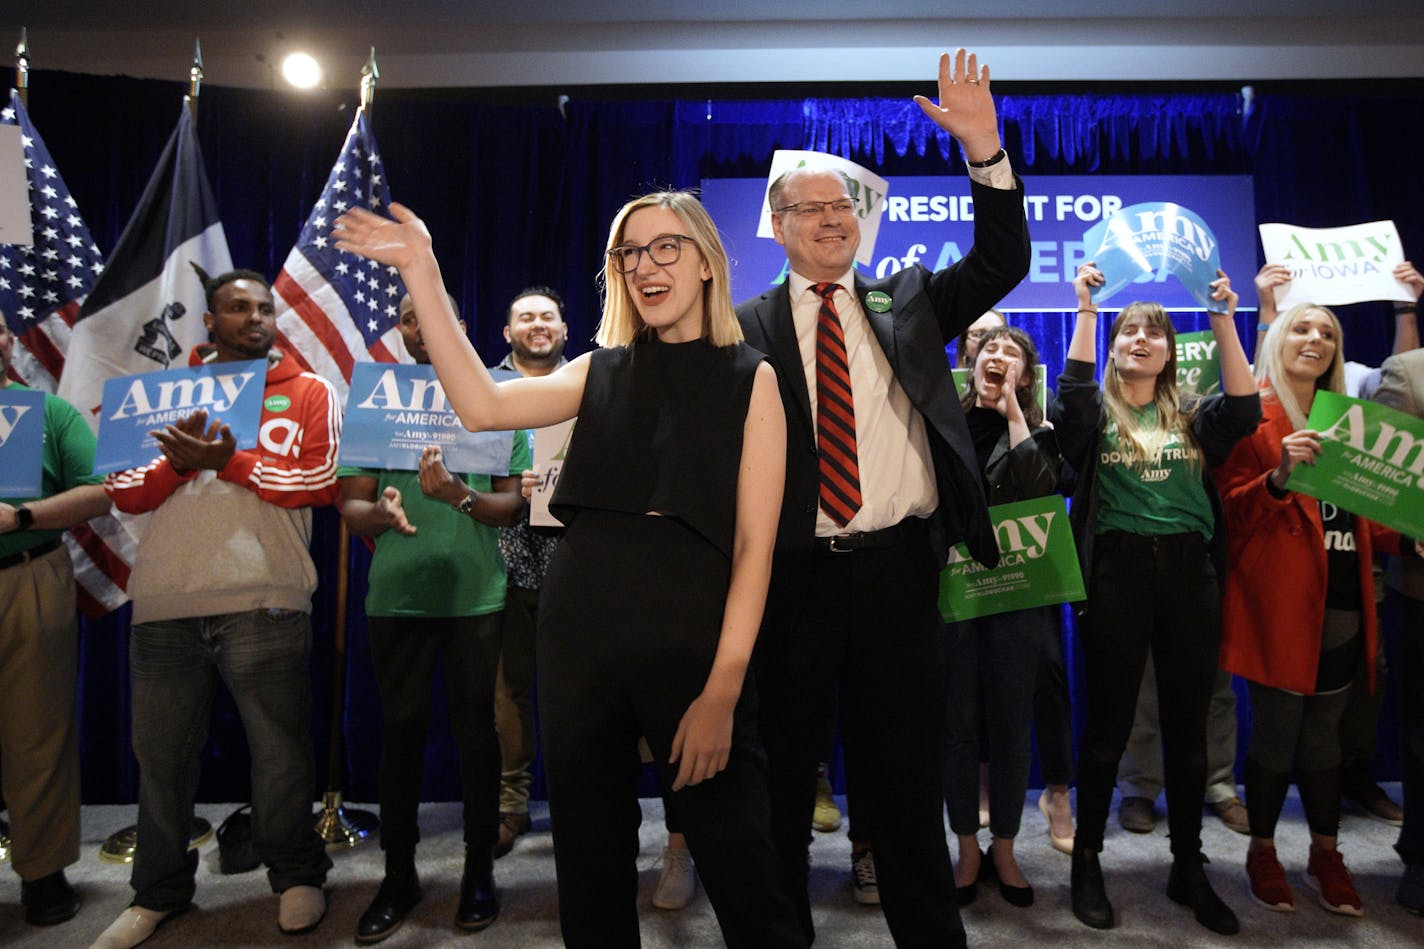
x,y
396,243
1089,277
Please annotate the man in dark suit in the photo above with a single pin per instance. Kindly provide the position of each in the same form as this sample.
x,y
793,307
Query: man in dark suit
x,y
881,479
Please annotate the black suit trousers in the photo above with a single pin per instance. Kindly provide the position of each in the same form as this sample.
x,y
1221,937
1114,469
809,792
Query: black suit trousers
x,y
865,621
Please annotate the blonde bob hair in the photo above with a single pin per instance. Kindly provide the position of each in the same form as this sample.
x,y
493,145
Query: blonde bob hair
x,y
1269,359
621,323
1145,445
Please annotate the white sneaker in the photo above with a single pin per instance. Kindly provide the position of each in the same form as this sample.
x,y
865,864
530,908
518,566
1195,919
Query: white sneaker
x,y
300,909
133,926
862,878
678,882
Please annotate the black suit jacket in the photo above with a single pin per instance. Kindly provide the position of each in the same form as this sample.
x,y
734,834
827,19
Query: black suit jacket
x,y
926,311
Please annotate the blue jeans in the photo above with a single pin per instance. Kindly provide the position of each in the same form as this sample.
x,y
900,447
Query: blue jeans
x,y
991,668
262,657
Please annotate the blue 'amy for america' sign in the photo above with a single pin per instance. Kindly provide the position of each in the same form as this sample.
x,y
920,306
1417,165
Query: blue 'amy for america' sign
x,y
136,406
21,442
1143,240
395,411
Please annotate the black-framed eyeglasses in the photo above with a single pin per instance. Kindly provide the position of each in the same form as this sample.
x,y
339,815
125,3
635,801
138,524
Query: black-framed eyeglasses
x,y
664,250
810,210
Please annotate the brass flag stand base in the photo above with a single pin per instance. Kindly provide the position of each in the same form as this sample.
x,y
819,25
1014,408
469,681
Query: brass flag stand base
x,y
340,826
119,846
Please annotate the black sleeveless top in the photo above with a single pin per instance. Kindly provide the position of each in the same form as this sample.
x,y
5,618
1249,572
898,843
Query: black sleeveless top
x,y
660,429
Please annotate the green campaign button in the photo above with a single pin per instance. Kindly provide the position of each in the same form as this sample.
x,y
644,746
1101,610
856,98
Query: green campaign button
x,y
277,403
877,301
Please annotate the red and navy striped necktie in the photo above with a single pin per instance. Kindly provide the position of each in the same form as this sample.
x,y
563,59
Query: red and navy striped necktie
x,y
835,414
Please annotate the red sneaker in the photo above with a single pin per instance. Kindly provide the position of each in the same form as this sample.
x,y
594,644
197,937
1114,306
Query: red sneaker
x,y
1326,874
1268,881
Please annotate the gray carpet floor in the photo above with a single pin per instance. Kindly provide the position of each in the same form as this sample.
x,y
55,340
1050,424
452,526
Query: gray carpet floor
x,y
233,911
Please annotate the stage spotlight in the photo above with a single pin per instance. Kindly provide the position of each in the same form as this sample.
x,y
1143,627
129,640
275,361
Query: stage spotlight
x,y
301,70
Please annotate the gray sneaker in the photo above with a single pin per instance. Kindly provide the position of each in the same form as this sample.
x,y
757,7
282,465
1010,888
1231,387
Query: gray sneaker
x,y
862,878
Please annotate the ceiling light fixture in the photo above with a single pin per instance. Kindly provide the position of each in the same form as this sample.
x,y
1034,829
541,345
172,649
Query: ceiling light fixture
x,y
301,70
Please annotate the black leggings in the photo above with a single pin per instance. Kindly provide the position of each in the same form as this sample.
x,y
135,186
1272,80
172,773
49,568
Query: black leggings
x,y
1158,593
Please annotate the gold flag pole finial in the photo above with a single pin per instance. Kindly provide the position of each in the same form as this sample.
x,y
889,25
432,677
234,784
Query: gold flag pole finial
x,y
22,67
195,77
369,75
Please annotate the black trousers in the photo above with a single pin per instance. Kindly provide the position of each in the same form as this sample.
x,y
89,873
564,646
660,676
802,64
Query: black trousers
x,y
1159,593
403,650
1053,709
867,621
629,620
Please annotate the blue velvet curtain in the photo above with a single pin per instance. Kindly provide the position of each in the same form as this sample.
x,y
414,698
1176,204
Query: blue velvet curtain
x,y
516,195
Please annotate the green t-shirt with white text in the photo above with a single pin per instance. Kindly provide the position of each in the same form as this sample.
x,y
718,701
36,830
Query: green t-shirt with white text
x,y
1165,497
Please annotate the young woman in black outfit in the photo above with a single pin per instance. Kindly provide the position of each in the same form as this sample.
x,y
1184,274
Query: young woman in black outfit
x,y
992,662
670,492
1148,526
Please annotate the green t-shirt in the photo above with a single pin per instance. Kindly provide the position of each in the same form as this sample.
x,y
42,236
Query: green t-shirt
x,y
66,461
451,566
1165,498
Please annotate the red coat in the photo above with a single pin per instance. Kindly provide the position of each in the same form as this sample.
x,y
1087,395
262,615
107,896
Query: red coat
x,y
1274,604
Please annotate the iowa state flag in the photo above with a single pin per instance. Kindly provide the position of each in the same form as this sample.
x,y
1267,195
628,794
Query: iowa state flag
x,y
146,312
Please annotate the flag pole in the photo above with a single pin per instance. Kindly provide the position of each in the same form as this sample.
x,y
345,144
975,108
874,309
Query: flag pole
x,y
369,76
22,68
195,78
335,823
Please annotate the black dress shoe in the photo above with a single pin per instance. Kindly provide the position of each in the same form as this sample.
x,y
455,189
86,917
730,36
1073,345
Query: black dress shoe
x,y
395,899
1013,895
479,900
49,900
1090,897
1188,886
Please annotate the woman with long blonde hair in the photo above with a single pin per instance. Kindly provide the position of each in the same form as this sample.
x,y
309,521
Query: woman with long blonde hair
x,y
1299,611
670,493
1148,527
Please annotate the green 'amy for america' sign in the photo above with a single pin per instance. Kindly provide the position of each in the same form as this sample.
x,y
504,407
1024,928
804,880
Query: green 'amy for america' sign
x,y
1038,564
1371,462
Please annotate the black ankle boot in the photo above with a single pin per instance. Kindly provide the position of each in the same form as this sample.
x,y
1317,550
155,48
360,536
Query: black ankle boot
x,y
1189,886
479,900
1090,897
398,895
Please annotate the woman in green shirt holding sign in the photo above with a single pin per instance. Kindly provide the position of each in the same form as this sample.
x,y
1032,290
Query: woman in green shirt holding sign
x,y
1148,526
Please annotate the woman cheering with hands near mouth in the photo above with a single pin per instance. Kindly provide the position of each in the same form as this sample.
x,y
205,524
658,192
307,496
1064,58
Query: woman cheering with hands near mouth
x,y
1148,525
670,492
992,662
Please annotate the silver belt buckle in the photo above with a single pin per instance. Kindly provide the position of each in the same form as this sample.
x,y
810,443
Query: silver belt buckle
x,y
835,547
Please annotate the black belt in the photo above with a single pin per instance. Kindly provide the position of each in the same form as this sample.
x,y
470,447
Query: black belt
x,y
907,529
39,550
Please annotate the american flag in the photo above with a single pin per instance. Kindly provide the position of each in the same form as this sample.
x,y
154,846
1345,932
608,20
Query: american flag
x,y
42,286
335,309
